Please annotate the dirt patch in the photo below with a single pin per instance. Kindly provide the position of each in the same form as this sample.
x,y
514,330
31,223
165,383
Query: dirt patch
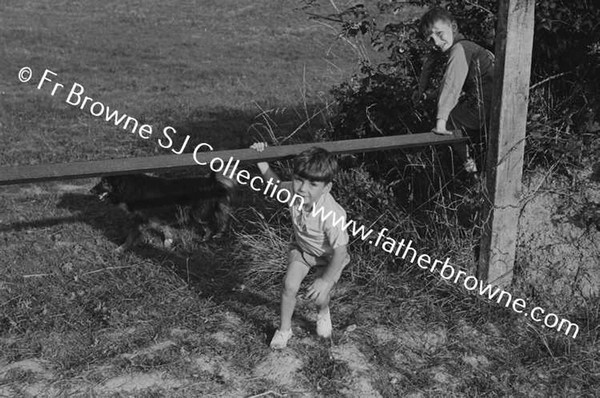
x,y
39,368
408,357
120,334
441,376
150,350
555,243
362,372
281,367
414,338
384,335
30,377
413,343
204,364
477,361
31,390
222,337
139,381
220,370
231,320
180,333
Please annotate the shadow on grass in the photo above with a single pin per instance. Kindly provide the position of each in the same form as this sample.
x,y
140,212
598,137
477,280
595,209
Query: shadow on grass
x,y
45,223
203,268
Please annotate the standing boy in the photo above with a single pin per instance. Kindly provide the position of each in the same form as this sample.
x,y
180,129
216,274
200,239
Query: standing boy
x,y
317,242
465,94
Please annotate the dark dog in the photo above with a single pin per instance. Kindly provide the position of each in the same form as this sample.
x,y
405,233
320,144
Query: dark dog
x,y
206,200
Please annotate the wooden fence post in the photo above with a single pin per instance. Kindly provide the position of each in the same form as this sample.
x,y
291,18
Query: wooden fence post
x,y
514,41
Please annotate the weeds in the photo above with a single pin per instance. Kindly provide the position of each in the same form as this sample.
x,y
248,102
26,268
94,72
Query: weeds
x,y
261,249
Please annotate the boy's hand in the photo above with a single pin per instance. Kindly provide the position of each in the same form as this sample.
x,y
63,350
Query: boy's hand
x,y
259,146
319,289
440,128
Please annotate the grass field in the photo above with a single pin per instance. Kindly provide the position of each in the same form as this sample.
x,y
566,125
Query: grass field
x,y
78,319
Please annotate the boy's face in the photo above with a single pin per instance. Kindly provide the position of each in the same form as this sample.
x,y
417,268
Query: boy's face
x,y
310,190
441,35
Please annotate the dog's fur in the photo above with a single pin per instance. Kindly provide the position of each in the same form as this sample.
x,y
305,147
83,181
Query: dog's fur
x,y
206,199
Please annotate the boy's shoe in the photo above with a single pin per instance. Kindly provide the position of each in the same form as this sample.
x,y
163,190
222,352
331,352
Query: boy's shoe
x,y
324,324
470,166
280,339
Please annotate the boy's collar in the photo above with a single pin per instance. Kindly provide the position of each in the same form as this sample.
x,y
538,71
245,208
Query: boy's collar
x,y
457,37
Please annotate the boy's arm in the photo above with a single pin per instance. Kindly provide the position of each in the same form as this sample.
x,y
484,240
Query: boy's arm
x,y
452,84
322,285
264,167
270,175
267,172
336,264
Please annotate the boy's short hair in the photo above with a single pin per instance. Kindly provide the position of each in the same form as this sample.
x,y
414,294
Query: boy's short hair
x,y
431,17
315,164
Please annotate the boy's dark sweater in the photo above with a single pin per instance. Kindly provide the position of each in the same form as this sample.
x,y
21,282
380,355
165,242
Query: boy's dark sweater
x,y
469,69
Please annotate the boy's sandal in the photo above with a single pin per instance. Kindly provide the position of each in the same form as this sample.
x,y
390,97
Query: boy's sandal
x,y
324,327
470,166
280,339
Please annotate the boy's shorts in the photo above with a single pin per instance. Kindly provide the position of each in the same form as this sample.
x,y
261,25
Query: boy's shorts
x,y
297,255
467,118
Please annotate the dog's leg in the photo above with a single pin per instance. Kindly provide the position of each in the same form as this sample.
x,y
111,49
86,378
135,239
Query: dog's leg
x,y
135,234
222,217
165,230
168,237
131,240
208,232
199,215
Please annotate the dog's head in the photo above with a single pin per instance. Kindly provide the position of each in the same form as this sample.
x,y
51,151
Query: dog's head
x,y
103,189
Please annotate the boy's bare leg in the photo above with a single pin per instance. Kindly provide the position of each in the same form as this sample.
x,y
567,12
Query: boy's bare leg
x,y
462,151
324,327
323,306
296,273
461,120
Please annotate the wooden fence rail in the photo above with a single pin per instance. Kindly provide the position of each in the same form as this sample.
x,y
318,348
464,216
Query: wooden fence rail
x,y
64,171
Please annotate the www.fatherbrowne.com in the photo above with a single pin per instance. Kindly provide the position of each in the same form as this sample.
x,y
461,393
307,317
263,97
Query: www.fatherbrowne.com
x,y
448,272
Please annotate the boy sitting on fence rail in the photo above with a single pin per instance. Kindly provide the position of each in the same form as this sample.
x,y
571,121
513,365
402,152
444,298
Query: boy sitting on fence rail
x,y
465,94
317,243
